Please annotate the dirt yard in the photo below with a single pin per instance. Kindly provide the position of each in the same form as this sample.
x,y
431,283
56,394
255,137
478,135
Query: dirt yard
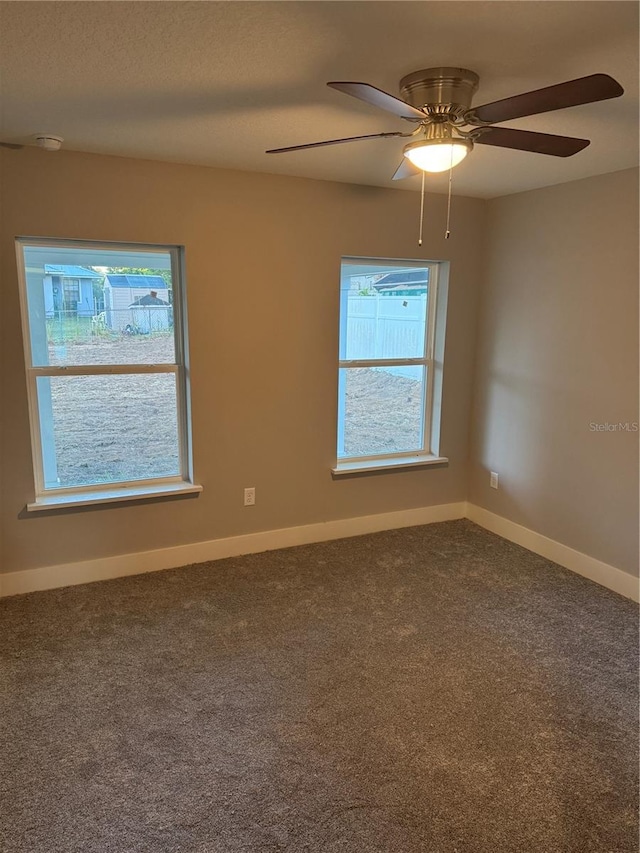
x,y
383,413
117,427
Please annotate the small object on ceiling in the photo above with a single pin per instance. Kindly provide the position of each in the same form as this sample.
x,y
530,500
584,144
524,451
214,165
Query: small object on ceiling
x,y
49,141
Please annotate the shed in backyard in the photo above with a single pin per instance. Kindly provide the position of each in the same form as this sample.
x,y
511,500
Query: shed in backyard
x,y
150,314
121,291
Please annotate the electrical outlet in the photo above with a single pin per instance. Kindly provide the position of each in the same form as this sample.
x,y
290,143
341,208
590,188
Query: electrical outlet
x,y
493,480
250,496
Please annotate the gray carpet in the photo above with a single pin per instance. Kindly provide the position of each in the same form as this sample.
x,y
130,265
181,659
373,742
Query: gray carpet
x,y
431,689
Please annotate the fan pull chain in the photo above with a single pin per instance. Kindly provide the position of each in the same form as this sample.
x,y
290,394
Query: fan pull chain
x,y
421,211
447,232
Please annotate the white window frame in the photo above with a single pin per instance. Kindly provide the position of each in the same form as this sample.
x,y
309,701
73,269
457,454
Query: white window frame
x,y
51,498
431,361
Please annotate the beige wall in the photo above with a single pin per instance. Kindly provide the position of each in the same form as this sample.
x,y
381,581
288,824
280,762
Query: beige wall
x,y
264,386
557,351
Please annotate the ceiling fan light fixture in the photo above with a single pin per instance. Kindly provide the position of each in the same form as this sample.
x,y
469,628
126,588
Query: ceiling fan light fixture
x,y
437,155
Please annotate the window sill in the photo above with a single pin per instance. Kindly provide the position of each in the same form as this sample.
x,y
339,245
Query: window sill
x,y
374,465
117,495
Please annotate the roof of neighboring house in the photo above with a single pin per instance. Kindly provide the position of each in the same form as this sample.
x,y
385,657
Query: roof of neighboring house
x,y
149,282
70,271
403,279
149,299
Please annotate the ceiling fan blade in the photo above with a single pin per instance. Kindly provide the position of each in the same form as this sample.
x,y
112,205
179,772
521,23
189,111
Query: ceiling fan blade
x,y
333,142
380,99
405,170
584,90
526,140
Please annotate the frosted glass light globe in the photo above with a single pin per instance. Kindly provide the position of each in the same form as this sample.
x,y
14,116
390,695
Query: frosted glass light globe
x,y
436,155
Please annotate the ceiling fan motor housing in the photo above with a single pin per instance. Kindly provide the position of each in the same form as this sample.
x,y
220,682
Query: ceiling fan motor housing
x,y
440,91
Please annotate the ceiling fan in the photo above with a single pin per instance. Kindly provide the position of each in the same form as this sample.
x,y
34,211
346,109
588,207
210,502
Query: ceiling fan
x,y
438,102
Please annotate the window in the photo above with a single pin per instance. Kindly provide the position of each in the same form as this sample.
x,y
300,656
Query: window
x,y
108,394
390,363
71,289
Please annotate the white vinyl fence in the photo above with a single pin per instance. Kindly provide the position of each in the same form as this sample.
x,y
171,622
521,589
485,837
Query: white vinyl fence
x,y
386,327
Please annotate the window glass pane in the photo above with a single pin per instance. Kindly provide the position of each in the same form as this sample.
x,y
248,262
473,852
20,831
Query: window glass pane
x,y
381,409
99,306
108,429
383,311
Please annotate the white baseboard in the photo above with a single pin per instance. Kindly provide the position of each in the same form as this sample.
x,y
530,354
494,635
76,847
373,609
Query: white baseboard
x,y
602,573
87,571
69,574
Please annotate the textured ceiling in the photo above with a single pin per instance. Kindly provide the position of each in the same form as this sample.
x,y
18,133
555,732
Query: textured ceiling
x,y
216,83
